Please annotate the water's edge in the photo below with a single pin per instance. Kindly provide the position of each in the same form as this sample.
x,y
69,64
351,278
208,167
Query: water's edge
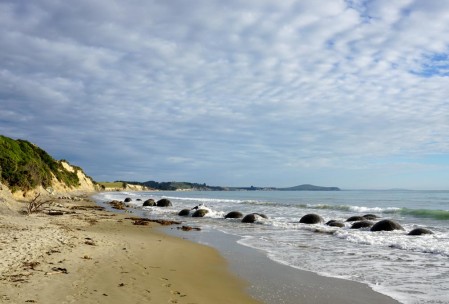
x,y
273,282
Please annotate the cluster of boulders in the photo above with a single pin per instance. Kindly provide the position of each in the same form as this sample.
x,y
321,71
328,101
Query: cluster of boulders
x,y
365,221
357,222
199,211
122,205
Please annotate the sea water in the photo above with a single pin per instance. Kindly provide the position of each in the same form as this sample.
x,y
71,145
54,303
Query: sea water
x,y
411,269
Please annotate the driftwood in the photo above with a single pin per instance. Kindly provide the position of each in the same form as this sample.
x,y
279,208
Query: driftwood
x,y
35,206
141,220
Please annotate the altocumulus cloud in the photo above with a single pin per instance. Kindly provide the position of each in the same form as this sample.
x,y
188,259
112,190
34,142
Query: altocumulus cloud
x,y
231,92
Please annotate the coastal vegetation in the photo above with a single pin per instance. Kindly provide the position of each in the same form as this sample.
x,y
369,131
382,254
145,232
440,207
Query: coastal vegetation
x,y
25,166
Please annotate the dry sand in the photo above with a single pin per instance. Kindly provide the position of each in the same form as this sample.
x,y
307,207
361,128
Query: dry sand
x,y
93,256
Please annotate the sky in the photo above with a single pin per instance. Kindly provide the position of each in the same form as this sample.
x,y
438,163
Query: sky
x,y
353,94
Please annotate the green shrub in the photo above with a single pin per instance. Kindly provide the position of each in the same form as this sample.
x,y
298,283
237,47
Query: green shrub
x,y
24,166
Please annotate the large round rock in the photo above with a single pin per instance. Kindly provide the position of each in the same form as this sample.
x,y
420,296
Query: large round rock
x,y
234,214
362,224
355,218
311,219
370,217
127,200
251,218
335,223
200,213
386,225
261,215
184,212
420,231
163,203
149,203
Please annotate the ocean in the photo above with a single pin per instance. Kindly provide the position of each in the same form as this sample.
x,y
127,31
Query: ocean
x,y
410,269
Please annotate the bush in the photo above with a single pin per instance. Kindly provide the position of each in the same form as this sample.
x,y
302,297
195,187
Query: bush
x,y
24,166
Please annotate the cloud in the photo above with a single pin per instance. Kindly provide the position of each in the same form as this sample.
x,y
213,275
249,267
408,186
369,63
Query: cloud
x,y
169,89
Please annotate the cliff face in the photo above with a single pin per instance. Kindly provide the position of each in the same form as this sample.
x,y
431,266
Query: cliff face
x,y
7,202
59,188
85,182
27,170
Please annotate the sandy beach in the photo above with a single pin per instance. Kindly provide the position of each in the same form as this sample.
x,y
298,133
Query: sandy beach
x,y
87,255
75,252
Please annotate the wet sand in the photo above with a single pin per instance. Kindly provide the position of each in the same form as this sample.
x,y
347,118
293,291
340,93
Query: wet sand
x,y
272,282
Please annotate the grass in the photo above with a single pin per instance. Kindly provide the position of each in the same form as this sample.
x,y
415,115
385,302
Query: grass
x,y
24,166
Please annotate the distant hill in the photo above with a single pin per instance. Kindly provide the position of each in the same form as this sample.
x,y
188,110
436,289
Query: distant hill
x,y
307,187
176,186
186,186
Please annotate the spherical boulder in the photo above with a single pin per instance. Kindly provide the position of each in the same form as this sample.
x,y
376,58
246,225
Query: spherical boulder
x,y
386,225
420,231
149,203
362,224
200,213
234,214
261,215
311,219
164,203
370,217
184,212
355,218
127,200
249,218
335,223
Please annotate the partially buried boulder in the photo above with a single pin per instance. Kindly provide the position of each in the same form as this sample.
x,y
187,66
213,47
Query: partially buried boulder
x,y
253,217
128,199
311,219
184,212
234,214
355,218
163,203
200,213
149,203
362,224
386,225
335,223
370,217
420,231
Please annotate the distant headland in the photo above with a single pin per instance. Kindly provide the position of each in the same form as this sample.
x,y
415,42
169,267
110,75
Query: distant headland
x,y
186,186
